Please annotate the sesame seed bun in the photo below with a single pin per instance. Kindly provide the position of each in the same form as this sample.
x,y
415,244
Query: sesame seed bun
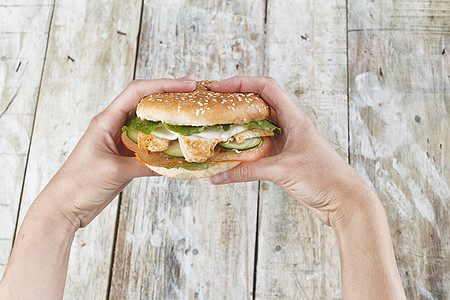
x,y
180,173
203,107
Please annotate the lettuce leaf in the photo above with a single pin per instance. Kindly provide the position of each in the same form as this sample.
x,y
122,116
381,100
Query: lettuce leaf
x,y
225,127
146,126
263,124
185,130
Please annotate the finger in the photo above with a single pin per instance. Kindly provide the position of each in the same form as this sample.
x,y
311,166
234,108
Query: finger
x,y
242,173
265,87
187,78
138,89
129,98
132,168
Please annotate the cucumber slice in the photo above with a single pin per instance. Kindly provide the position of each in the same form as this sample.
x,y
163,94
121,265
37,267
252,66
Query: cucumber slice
x,y
247,144
174,149
132,135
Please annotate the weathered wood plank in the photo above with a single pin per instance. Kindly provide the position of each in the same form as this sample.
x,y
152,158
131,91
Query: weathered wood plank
x,y
399,125
88,63
24,29
191,240
306,53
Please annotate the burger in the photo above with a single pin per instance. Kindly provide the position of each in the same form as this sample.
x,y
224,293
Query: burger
x,y
201,133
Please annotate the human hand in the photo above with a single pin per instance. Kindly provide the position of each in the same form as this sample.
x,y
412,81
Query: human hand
x,y
301,160
100,166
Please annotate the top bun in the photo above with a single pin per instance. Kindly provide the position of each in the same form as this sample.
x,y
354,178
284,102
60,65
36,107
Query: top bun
x,y
203,107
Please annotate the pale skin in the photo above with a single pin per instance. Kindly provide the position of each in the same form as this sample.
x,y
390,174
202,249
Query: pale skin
x,y
321,180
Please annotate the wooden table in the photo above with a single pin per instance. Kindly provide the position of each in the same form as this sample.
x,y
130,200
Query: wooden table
x,y
373,76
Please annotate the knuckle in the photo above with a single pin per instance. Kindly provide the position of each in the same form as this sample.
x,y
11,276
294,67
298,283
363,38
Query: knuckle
x,y
97,120
270,80
244,172
134,85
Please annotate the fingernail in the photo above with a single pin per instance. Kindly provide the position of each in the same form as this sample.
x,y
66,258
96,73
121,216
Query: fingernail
x,y
189,81
219,178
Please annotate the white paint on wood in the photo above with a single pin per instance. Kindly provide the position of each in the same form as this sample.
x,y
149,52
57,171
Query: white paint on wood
x,y
88,63
181,239
399,58
399,120
185,240
23,40
306,53
183,37
395,136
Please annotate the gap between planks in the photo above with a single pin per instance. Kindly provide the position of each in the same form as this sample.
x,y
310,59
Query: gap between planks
x,y
32,130
348,85
255,256
119,204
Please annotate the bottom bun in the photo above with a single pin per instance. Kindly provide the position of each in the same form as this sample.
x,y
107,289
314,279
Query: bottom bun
x,y
181,173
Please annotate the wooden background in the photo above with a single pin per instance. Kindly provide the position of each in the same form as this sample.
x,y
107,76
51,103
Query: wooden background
x,y
373,76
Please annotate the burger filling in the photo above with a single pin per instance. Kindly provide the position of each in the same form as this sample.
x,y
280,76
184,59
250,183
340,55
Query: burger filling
x,y
197,144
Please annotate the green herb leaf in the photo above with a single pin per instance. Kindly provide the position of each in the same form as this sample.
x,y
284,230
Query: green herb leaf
x,y
227,127
144,126
214,127
224,127
264,125
185,130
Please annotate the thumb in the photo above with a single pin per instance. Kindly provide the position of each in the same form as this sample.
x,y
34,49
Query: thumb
x,y
133,168
242,173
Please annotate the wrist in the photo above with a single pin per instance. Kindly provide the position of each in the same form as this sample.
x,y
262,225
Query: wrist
x,y
354,199
54,205
45,216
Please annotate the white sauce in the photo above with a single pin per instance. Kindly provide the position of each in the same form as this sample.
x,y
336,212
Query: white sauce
x,y
163,132
219,133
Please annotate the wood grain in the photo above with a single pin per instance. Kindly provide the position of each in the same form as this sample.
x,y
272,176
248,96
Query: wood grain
x,y
306,53
399,125
24,27
88,63
192,240
181,239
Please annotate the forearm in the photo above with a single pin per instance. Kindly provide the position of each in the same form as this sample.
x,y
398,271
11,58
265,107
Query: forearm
x,y
368,266
38,264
